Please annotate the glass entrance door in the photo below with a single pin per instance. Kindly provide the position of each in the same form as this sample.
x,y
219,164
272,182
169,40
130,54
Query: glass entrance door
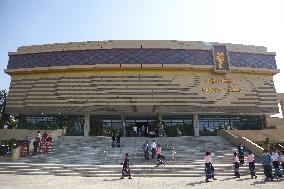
x,y
141,126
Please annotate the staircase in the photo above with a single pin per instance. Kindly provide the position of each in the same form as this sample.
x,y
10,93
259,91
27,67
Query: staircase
x,y
93,157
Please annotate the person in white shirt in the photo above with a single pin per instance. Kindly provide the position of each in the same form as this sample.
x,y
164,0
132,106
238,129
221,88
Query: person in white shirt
x,y
153,149
275,162
209,169
39,135
275,159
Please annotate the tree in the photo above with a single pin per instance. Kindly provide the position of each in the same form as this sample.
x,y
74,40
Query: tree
x,y
3,98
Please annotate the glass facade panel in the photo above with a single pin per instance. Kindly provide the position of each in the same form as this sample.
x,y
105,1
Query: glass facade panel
x,y
178,126
210,124
173,126
74,124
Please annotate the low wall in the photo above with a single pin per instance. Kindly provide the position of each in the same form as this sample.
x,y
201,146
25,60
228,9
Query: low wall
x,y
18,134
274,121
246,143
15,155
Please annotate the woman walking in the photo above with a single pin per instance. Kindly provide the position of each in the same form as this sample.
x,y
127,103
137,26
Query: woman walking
x,y
209,170
236,163
251,162
125,168
160,157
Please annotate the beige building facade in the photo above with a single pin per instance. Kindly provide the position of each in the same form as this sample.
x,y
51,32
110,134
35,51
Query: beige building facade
x,y
189,88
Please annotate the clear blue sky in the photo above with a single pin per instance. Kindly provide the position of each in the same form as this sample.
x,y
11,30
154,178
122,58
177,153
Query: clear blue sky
x,y
30,22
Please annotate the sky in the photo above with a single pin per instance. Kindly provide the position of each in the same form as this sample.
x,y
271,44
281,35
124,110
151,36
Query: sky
x,y
35,22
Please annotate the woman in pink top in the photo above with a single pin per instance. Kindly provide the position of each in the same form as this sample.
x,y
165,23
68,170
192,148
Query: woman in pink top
x,y
251,161
160,157
236,162
209,169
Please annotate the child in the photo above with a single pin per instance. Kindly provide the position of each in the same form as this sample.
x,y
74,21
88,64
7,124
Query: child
x,y
209,170
251,161
236,163
125,168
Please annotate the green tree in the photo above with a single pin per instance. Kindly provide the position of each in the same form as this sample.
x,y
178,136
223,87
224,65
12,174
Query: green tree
x,y
3,98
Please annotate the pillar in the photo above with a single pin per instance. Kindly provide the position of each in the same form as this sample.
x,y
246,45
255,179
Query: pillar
x,y
87,125
196,125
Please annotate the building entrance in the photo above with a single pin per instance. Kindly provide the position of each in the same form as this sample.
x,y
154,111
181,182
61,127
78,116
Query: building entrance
x,y
141,126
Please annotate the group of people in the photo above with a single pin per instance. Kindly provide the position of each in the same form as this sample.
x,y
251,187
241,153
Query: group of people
x,y
37,142
267,159
272,159
156,152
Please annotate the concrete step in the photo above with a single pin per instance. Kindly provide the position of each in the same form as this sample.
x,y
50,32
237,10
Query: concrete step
x,y
115,170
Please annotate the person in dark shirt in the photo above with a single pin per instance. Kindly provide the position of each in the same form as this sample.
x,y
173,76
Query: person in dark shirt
x,y
241,154
266,161
35,144
118,140
28,141
113,140
125,168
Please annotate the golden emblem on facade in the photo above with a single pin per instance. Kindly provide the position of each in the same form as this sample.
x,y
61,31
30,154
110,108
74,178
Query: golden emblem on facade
x,y
220,59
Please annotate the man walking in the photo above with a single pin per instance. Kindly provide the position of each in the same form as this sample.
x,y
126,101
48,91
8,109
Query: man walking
x,y
36,144
153,149
267,165
146,150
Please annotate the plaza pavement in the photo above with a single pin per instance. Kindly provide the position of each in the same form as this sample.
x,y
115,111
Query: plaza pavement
x,y
8,181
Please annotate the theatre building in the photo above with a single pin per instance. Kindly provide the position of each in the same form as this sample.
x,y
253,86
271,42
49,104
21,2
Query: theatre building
x,y
187,88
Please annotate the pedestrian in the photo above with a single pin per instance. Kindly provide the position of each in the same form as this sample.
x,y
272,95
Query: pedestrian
x,y
236,163
143,131
160,156
35,144
113,140
153,149
28,142
251,163
125,168
282,161
118,140
45,135
39,135
146,150
209,169
173,154
241,154
49,139
64,129
266,161
276,163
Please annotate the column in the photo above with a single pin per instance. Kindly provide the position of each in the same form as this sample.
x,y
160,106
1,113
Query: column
x,y
196,125
87,125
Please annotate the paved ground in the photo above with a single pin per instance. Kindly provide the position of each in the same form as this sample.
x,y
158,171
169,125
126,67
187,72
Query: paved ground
x,y
64,182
